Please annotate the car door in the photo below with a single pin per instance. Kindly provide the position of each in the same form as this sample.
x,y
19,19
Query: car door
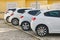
x,y
53,18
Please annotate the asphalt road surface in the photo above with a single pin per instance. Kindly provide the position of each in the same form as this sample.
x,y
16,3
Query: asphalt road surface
x,y
10,33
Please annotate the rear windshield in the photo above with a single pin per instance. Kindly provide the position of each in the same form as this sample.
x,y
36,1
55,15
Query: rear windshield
x,y
12,9
34,12
21,10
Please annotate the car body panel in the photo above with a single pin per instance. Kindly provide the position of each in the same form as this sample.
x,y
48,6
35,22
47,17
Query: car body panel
x,y
7,14
27,17
53,23
16,15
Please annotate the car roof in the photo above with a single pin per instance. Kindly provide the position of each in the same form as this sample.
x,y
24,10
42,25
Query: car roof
x,y
22,8
30,10
50,10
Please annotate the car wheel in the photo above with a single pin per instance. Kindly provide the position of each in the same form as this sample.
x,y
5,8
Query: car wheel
x,y
42,30
7,19
15,22
25,26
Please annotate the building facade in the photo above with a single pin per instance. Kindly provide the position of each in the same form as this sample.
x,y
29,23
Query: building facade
x,y
6,4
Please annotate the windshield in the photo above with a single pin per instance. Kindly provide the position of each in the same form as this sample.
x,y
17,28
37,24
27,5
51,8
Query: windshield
x,y
34,12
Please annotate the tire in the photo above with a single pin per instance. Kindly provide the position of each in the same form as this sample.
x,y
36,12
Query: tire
x,y
25,26
7,19
42,30
15,22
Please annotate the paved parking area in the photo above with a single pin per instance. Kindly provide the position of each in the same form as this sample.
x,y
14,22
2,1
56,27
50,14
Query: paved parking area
x,y
10,33
48,37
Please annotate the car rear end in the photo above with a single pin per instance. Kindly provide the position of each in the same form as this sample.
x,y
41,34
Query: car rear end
x,y
28,16
23,17
35,21
8,13
17,13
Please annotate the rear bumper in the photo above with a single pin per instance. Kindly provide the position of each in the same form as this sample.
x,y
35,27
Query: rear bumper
x,y
10,19
33,25
20,22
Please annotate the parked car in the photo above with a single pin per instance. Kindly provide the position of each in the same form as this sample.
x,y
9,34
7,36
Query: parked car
x,y
14,18
25,19
46,22
8,13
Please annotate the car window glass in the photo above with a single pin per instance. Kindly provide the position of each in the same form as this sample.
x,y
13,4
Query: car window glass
x,y
12,9
34,12
21,10
38,13
53,14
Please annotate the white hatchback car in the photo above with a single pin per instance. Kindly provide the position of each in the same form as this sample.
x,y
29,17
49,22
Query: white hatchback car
x,y
14,18
46,22
25,19
8,13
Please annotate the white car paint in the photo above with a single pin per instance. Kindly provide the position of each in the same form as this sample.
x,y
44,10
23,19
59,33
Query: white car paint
x,y
53,23
7,14
16,15
26,17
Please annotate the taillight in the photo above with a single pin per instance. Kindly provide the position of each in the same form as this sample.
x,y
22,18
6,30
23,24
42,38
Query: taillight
x,y
21,16
33,18
12,14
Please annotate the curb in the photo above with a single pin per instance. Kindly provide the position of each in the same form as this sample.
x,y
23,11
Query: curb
x,y
23,31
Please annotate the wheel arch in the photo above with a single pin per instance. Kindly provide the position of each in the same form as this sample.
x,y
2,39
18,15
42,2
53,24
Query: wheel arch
x,y
25,21
15,18
29,29
13,23
7,17
42,24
